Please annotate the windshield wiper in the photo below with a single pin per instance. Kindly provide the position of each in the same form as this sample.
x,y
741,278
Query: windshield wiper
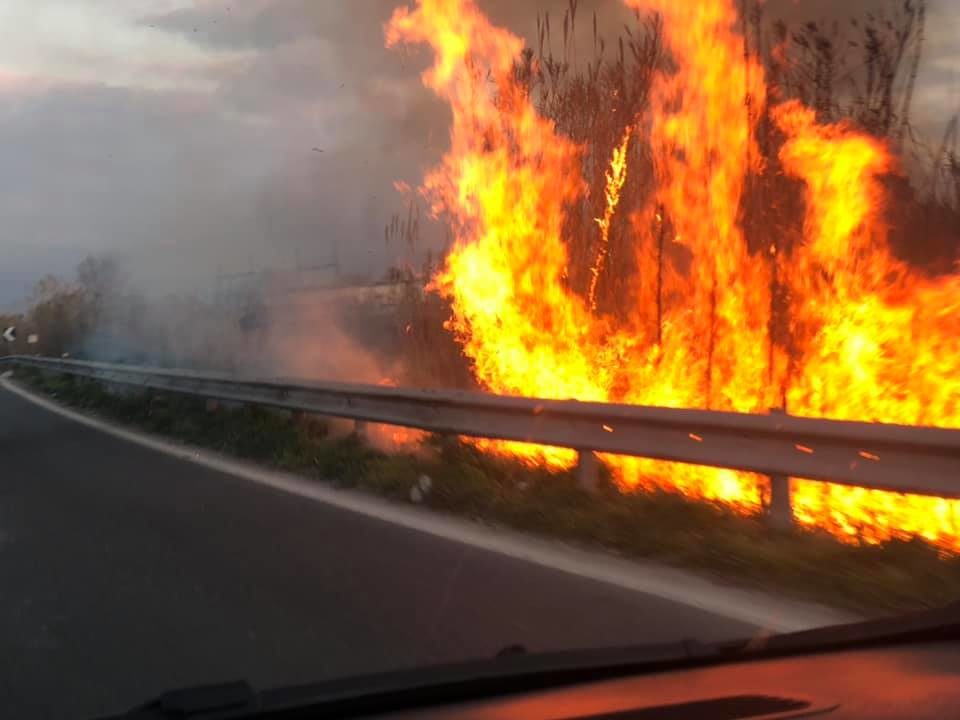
x,y
937,624
514,671
226,700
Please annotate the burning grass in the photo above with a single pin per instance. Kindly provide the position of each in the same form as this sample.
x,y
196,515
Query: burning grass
x,y
687,226
709,537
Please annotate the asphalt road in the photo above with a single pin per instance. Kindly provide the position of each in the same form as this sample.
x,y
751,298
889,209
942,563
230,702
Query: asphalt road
x,y
125,572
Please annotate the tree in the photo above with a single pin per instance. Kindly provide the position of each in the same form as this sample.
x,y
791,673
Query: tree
x,y
59,313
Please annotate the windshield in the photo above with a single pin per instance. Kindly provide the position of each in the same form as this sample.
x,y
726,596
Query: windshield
x,y
719,226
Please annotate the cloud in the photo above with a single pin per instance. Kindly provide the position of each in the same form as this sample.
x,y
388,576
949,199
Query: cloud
x,y
66,41
101,168
250,24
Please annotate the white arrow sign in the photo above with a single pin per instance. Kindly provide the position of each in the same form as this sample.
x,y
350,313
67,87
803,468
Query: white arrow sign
x,y
10,334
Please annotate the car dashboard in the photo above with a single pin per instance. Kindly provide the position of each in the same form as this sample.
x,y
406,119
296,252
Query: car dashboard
x,y
902,681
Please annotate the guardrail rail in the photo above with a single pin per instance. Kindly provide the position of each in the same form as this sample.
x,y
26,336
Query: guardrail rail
x,y
900,458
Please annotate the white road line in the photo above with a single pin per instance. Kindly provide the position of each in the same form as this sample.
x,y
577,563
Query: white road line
x,y
756,608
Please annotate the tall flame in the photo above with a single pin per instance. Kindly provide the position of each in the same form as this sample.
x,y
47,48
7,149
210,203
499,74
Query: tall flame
x,y
616,176
870,338
877,341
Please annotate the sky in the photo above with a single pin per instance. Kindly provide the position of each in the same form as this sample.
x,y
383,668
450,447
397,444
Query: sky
x,y
198,137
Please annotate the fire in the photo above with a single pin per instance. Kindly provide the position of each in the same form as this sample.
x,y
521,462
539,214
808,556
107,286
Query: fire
x,y
878,341
393,438
870,338
616,176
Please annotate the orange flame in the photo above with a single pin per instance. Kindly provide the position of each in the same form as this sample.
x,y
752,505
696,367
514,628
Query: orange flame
x,y
877,341
616,176
871,339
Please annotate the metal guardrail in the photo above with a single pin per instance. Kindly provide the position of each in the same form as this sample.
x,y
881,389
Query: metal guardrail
x,y
920,460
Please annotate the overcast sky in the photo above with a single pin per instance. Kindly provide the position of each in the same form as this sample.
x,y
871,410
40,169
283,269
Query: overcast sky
x,y
187,134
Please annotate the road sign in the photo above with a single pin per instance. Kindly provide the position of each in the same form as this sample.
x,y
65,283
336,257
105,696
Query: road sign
x,y
10,334
33,339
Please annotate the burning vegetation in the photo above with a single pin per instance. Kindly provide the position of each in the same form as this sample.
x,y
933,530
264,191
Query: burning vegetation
x,y
688,226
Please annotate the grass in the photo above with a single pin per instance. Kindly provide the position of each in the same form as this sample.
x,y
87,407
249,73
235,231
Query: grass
x,y
709,538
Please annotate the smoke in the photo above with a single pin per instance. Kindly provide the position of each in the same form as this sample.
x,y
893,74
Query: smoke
x,y
258,324
265,328
297,154
208,199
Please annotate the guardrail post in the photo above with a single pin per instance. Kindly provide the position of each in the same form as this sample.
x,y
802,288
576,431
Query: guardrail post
x,y
588,470
780,511
360,429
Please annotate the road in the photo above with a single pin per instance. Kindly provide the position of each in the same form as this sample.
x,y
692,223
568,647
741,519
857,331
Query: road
x,y
125,572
